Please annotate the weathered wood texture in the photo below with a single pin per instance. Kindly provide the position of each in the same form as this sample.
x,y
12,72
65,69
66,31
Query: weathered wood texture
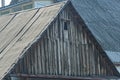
x,y
69,52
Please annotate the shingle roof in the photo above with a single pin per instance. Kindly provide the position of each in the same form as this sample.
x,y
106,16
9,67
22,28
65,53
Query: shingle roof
x,y
102,17
19,30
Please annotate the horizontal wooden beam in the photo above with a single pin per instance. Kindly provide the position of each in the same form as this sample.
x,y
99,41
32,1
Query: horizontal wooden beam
x,y
54,77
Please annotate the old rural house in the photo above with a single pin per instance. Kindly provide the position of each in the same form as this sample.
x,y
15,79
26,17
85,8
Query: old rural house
x,y
52,42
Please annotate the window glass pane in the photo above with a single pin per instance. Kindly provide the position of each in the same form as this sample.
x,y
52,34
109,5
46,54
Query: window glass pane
x,y
42,3
5,12
17,9
65,26
27,7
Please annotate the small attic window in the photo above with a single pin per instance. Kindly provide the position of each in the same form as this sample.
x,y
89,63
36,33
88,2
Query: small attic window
x,y
65,25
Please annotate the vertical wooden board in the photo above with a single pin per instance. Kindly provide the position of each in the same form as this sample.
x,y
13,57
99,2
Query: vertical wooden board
x,y
83,53
93,62
45,52
56,58
41,61
39,57
62,56
79,59
72,59
72,51
32,61
66,58
52,55
87,54
30,58
60,45
28,61
47,55
69,61
59,57
100,65
80,50
77,50
23,65
90,58
50,50
98,59
55,50
88,64
36,57
43,57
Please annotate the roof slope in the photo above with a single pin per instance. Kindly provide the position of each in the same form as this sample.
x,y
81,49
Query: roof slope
x,y
102,17
18,31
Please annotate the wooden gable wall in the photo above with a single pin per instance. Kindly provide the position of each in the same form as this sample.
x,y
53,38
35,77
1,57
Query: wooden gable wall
x,y
64,52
